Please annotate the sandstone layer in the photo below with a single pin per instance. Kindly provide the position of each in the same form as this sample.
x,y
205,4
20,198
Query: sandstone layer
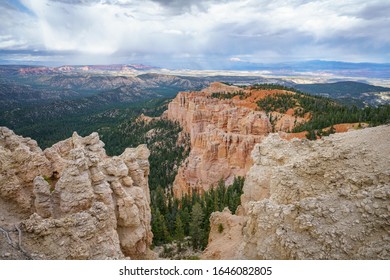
x,y
72,201
223,133
323,199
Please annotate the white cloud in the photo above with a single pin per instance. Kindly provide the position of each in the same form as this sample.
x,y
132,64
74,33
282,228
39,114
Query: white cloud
x,y
258,29
17,29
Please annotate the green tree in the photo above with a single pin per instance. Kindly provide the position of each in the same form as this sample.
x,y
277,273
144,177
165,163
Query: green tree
x,y
159,228
179,229
196,226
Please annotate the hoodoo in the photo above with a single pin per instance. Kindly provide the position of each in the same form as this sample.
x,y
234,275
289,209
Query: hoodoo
x,y
72,201
224,125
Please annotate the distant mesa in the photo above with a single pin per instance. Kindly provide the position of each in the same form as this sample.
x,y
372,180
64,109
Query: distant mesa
x,y
36,70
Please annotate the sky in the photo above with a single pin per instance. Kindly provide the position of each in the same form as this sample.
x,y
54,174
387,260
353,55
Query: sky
x,y
206,34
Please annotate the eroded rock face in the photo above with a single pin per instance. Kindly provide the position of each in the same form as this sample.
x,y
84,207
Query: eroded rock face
x,y
223,133
78,203
225,236
21,160
324,199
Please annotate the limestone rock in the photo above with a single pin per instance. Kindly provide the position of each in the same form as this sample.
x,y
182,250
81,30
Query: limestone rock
x,y
324,199
78,202
225,235
223,133
21,160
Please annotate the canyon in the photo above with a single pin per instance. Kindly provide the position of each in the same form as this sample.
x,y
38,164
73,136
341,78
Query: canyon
x,y
322,199
223,133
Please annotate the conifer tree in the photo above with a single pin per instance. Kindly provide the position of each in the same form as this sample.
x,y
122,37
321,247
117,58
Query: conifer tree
x,y
179,229
196,227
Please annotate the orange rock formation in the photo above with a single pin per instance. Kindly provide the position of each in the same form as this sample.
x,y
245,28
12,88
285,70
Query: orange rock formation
x,y
223,133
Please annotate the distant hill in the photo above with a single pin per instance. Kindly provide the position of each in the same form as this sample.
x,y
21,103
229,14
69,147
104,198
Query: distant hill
x,y
353,88
338,68
33,95
348,92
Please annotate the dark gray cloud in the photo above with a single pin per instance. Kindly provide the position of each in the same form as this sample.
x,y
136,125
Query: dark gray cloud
x,y
94,2
79,2
183,4
376,11
6,5
179,7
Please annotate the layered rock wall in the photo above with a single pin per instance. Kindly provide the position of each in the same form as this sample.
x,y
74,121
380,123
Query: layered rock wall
x,y
223,132
324,199
222,135
72,201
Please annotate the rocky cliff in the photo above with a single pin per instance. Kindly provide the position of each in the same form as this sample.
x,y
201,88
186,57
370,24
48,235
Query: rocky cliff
x,y
223,132
72,201
324,199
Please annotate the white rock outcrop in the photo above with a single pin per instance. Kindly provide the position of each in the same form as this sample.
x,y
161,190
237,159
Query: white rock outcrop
x,y
72,201
324,199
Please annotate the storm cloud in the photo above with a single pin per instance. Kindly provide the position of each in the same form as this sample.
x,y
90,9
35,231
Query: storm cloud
x,y
208,30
